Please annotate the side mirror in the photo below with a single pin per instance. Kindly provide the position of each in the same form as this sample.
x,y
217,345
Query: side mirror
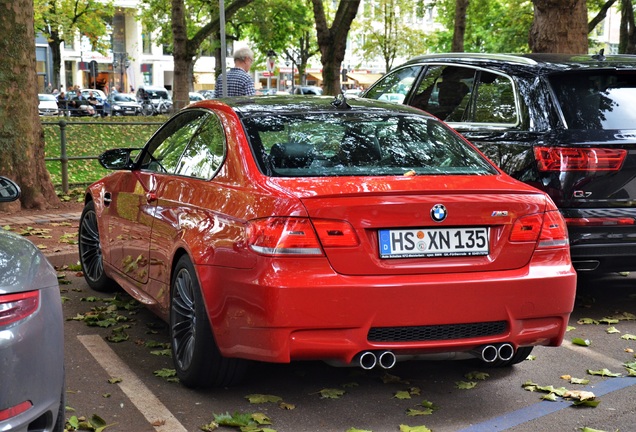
x,y
9,190
119,159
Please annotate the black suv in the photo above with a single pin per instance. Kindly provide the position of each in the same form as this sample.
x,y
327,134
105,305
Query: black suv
x,y
564,124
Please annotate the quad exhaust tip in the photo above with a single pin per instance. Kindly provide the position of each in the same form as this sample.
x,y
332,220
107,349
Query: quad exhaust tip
x,y
491,353
370,359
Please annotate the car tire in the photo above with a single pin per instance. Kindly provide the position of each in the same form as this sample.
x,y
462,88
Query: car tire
x,y
197,359
60,421
90,251
520,355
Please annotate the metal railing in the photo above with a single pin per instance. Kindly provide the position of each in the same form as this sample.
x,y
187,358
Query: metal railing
x,y
64,158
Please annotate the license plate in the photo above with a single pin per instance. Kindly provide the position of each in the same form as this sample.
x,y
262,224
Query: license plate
x,y
434,242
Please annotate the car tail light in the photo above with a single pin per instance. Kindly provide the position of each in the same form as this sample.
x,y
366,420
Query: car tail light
x,y
548,228
15,307
600,221
579,159
298,236
283,236
16,410
335,233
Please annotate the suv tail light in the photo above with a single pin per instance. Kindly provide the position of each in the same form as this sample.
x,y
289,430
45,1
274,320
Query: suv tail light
x,y
297,236
579,159
548,228
15,307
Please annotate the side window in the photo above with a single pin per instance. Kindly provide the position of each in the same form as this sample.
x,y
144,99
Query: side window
x,y
204,155
166,146
495,101
395,85
445,92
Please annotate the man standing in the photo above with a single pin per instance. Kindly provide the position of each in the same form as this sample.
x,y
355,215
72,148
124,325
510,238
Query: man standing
x,y
239,82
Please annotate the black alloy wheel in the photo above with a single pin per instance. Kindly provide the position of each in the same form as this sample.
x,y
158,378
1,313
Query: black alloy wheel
x,y
90,251
196,357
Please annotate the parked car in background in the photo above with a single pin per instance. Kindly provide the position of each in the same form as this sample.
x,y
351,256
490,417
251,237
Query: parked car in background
x,y
154,100
47,105
98,102
76,105
122,104
564,124
195,97
308,90
207,94
380,232
31,334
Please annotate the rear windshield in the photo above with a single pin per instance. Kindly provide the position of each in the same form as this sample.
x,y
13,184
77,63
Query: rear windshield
x,y
361,143
597,99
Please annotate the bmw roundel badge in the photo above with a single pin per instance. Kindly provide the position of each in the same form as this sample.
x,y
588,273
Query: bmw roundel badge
x,y
438,213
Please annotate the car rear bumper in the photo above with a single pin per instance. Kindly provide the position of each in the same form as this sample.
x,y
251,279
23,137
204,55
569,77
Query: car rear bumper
x,y
32,365
289,313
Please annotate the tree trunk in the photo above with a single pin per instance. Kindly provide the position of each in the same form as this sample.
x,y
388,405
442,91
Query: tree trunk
x,y
21,135
627,42
559,26
333,41
182,61
461,6
55,44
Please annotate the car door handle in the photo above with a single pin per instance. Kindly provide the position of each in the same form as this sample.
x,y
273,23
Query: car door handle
x,y
107,199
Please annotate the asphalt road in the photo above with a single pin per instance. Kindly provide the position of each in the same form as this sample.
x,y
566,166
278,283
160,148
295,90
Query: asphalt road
x,y
117,382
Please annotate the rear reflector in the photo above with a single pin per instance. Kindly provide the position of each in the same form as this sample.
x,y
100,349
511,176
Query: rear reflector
x,y
599,221
8,413
15,307
579,159
548,228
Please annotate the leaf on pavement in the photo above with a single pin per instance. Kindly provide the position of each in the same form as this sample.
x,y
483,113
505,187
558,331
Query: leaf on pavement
x,y
404,394
581,395
331,393
612,330
550,397
114,380
387,378
628,337
406,428
475,375
263,398
357,430
465,385
261,419
412,412
581,342
587,321
570,328
603,372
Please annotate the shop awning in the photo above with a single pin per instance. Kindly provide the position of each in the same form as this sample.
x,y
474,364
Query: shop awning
x,y
364,79
316,76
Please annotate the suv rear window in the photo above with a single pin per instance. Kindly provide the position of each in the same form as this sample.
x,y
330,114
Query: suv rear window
x,y
596,99
361,144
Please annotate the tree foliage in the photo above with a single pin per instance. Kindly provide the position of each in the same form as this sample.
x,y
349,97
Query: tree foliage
x,y
387,32
62,20
491,26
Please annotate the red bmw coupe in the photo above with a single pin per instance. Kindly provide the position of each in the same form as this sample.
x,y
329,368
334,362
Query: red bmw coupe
x,y
283,228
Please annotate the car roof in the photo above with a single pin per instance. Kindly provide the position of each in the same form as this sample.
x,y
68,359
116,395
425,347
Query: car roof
x,y
531,62
290,104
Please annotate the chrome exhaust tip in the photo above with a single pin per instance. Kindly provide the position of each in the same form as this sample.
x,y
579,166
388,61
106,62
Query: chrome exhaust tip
x,y
368,360
505,351
387,360
487,353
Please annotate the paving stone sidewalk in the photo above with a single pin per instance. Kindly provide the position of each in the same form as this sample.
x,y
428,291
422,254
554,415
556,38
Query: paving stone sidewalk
x,y
39,218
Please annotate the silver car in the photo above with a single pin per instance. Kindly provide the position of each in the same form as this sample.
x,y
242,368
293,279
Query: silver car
x,y
31,334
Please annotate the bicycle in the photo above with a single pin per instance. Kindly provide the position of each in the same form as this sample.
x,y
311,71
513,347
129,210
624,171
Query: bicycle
x,y
149,108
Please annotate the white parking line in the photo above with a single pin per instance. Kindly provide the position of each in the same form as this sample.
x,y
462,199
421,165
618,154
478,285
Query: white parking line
x,y
588,352
146,402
